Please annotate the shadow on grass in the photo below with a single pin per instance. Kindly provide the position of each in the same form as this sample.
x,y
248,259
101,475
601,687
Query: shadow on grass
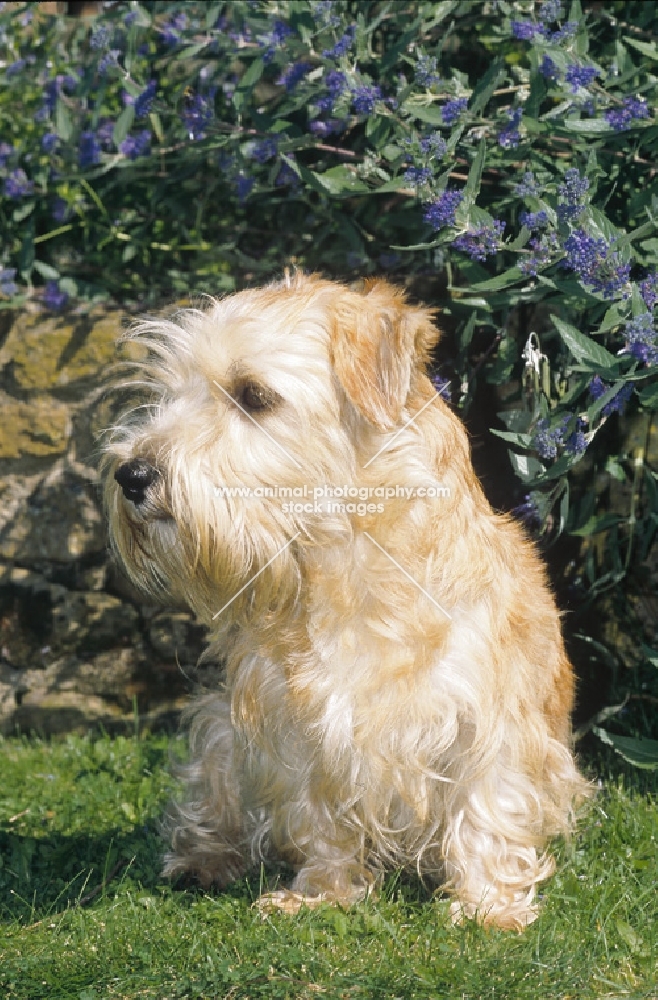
x,y
41,876
45,875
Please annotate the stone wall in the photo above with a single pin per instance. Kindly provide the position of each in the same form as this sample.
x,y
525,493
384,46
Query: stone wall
x,y
78,647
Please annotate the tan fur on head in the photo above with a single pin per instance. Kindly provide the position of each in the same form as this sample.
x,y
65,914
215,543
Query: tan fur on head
x,y
397,691
377,343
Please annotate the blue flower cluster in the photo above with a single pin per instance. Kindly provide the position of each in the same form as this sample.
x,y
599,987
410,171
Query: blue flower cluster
x,y
572,193
544,250
197,116
442,386
528,511
275,39
452,110
418,175
576,443
293,75
548,69
619,401
580,76
549,13
632,109
343,45
597,264
144,103
425,72
89,150
481,241
534,220
509,136
7,284
546,439
433,145
365,97
528,187
17,184
171,31
263,150
649,290
54,297
640,335
137,145
441,211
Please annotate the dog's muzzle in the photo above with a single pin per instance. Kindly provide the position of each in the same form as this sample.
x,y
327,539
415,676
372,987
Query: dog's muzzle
x,y
135,479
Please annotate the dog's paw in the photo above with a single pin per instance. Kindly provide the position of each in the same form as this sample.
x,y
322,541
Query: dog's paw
x,y
288,901
513,918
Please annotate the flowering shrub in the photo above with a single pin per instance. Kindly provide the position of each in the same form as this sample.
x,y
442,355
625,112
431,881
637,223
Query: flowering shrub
x,y
158,148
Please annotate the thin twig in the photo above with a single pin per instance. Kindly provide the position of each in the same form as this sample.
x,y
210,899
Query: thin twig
x,y
87,898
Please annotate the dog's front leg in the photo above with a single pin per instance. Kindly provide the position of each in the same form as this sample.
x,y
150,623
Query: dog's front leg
x,y
490,848
327,853
207,829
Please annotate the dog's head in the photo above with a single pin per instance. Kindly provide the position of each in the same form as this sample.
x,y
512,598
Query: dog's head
x,y
271,391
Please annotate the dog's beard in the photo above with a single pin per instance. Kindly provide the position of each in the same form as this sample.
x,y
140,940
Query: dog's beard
x,y
203,554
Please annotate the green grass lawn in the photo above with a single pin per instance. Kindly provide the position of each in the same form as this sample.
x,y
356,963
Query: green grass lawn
x,y
84,913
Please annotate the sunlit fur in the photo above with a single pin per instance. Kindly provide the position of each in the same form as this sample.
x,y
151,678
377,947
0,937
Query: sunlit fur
x,y
358,726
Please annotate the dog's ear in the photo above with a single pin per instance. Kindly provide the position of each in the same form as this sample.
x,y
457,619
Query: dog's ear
x,y
379,343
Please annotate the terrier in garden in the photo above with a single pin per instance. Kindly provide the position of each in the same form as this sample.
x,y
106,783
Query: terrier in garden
x,y
395,690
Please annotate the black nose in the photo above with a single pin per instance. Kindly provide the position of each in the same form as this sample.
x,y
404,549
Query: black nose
x,y
134,478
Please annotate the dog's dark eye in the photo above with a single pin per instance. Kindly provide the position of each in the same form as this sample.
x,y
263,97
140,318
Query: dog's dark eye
x,y
255,397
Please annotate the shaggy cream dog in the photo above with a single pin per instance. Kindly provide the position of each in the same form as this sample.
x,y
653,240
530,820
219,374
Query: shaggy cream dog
x,y
396,689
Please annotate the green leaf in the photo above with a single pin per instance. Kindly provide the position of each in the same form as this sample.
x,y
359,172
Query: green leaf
x,y
516,420
525,466
641,753
131,87
520,240
431,114
342,180
614,316
21,212
538,92
597,406
595,525
63,120
252,75
600,226
522,440
651,655
629,936
213,11
472,186
646,48
636,234
466,334
583,347
157,126
45,270
559,468
649,397
509,277
564,507
485,87
586,126
123,125
26,257
615,469
395,184
401,44
191,51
